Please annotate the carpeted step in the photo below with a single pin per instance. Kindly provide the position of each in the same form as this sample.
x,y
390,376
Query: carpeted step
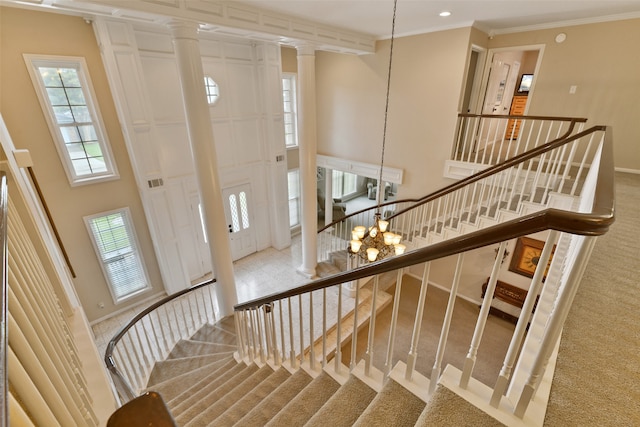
x,y
393,406
188,348
345,406
190,408
220,405
214,334
278,399
445,408
164,370
172,388
215,378
307,402
246,404
227,323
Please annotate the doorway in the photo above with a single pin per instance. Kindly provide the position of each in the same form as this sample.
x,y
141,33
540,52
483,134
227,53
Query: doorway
x,y
238,212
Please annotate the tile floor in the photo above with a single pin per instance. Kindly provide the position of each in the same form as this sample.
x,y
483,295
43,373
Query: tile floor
x,y
259,274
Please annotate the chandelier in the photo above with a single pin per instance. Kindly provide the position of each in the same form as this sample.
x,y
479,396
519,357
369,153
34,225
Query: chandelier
x,y
376,243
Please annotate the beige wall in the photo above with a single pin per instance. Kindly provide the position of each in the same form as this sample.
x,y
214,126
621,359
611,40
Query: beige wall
x,y
43,33
602,61
426,83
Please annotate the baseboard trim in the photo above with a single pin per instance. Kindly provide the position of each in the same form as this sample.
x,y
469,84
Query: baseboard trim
x,y
627,170
129,307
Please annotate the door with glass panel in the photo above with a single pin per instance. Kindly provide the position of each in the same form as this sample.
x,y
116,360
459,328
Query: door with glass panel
x,y
237,208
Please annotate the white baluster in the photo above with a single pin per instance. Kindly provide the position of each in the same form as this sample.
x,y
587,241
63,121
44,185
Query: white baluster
x,y
437,366
388,364
417,325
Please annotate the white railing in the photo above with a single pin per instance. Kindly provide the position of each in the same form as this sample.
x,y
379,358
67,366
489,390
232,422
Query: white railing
x,y
151,335
492,139
44,367
495,194
285,328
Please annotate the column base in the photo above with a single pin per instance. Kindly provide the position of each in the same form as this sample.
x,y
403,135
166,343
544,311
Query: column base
x,y
309,273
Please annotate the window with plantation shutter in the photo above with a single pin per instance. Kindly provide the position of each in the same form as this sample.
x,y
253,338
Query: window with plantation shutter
x,y
116,246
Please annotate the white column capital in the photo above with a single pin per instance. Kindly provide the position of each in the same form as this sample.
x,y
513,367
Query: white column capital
x,y
306,49
183,29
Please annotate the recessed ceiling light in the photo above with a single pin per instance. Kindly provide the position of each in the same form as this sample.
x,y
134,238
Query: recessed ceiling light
x,y
445,13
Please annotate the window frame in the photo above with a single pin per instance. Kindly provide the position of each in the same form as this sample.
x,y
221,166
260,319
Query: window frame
x,y
133,244
298,198
292,77
33,63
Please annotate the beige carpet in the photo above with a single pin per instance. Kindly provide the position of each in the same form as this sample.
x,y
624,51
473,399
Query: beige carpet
x,y
597,379
490,354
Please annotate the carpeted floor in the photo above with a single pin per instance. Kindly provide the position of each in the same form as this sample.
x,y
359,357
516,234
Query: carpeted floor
x,y
597,379
490,354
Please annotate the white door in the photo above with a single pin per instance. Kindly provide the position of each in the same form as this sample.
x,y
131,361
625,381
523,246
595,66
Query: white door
x,y
237,208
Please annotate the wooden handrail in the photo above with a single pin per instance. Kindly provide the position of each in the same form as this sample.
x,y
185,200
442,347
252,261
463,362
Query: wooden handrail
x,y
508,116
146,410
593,223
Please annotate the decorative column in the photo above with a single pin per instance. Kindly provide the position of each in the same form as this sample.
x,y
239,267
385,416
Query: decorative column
x,y
187,50
307,140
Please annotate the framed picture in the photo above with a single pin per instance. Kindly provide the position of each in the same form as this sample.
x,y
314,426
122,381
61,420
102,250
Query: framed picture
x,y
527,255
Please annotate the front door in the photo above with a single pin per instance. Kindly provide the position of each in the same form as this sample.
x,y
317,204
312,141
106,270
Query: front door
x,y
237,208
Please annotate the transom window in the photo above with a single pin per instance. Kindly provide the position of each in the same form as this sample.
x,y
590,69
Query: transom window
x,y
289,99
67,98
116,245
213,92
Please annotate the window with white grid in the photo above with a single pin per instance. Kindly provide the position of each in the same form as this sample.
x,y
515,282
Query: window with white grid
x,y
344,184
67,98
116,245
293,178
289,99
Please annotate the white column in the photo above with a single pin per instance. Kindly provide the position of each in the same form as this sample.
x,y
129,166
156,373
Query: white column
x,y
307,152
187,50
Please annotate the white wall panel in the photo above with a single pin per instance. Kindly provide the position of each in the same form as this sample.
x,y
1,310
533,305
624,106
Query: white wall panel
x,y
126,65
247,138
173,149
238,51
222,134
161,74
244,89
154,42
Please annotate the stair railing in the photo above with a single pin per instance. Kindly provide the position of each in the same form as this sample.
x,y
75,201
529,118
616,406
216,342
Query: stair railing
x,y
151,335
518,184
290,314
488,139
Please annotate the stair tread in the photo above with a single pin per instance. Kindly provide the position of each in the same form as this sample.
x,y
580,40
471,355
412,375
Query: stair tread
x,y
393,406
217,407
247,403
301,408
345,406
173,387
164,370
187,348
214,378
278,399
207,396
213,334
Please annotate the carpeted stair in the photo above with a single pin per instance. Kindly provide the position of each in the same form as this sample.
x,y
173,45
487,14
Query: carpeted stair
x,y
203,384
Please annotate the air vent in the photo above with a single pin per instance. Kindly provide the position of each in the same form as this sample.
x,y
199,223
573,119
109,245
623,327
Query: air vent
x,y
280,158
153,183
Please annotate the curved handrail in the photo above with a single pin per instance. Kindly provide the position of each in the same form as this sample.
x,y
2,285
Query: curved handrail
x,y
561,140
4,342
121,384
592,223
572,120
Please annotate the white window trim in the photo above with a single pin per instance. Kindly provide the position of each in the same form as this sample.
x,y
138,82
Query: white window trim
x,y
136,247
79,63
294,78
299,223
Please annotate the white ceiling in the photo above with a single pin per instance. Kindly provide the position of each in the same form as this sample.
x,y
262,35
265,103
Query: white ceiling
x,y
374,17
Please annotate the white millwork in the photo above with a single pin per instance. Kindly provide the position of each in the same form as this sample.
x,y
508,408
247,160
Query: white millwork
x,y
307,152
186,45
